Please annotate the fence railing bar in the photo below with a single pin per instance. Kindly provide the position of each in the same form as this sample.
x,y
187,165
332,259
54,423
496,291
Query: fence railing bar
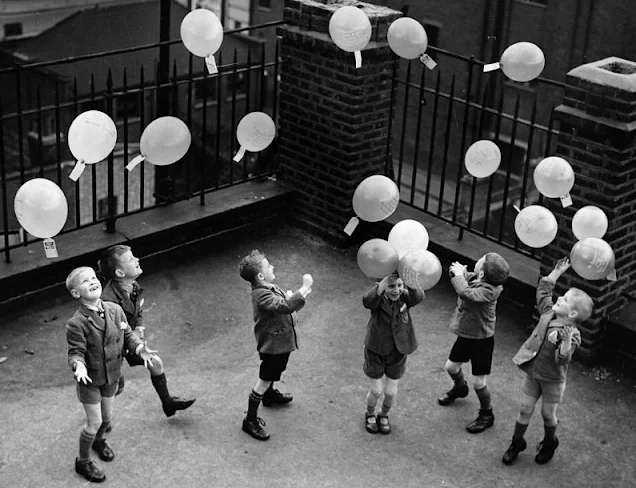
x,y
432,139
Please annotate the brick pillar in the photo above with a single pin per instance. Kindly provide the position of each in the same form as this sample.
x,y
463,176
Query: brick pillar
x,y
598,138
333,118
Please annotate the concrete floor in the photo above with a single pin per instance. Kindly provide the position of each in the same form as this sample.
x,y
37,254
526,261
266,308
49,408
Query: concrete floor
x,y
199,318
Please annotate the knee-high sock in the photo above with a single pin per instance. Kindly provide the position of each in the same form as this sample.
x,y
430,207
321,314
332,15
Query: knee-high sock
x,y
387,403
550,433
372,401
252,405
101,432
484,398
85,443
161,386
458,378
520,429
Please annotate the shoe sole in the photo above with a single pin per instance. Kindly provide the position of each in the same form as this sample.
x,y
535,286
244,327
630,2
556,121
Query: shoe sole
x,y
479,430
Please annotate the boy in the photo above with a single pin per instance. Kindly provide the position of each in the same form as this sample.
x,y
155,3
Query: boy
x,y
544,357
474,323
390,337
121,268
97,335
274,328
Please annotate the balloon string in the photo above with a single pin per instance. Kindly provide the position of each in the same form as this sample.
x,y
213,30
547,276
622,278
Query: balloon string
x,y
358,57
239,154
77,170
136,160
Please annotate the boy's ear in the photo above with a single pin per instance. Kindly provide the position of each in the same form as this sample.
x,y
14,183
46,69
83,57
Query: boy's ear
x,y
75,294
260,277
119,273
574,314
480,275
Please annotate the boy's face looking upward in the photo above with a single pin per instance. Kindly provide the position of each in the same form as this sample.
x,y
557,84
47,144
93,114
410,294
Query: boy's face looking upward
x,y
86,286
394,289
565,306
128,266
267,271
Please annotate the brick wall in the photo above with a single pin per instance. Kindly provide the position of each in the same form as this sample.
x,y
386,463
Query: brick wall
x,y
334,119
598,138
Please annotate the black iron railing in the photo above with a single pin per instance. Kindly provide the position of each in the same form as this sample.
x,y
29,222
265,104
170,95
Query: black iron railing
x,y
40,100
439,113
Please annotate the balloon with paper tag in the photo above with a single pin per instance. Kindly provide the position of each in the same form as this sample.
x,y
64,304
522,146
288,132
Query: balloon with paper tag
x,y
407,38
592,258
420,269
377,258
522,61
482,158
589,221
41,207
91,138
164,141
254,132
202,35
554,177
375,198
408,235
536,226
350,29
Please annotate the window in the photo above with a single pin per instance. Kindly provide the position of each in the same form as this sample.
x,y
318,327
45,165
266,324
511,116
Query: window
x,y
265,4
207,89
127,106
102,207
237,24
237,83
92,105
14,29
432,32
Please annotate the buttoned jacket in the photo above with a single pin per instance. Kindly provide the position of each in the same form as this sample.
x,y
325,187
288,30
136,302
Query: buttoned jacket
x,y
114,292
99,343
475,315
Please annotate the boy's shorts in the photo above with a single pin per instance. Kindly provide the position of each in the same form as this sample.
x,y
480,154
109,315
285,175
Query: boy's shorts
x,y
93,394
272,365
551,392
477,351
393,365
134,360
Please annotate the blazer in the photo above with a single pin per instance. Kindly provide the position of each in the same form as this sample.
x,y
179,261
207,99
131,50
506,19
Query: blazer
x,y
476,312
113,292
99,344
275,318
390,322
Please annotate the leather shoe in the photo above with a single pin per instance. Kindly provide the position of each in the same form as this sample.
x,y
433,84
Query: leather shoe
x,y
516,446
546,451
103,450
255,429
175,404
275,397
450,396
484,420
89,471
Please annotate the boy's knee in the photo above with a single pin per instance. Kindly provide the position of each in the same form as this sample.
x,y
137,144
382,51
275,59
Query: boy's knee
x,y
391,387
375,388
157,366
452,367
479,382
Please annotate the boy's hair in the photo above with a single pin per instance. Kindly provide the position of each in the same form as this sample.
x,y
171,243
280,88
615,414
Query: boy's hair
x,y
251,265
71,279
583,304
495,268
109,260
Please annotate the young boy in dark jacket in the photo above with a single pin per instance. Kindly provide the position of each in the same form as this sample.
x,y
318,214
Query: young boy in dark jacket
x,y
474,323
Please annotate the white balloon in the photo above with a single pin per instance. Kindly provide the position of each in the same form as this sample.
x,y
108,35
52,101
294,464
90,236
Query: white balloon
x,y
92,136
201,32
536,226
350,28
482,158
256,131
41,207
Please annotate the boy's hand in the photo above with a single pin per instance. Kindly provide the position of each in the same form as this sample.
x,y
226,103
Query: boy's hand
x,y
81,374
308,281
384,282
456,269
560,267
147,355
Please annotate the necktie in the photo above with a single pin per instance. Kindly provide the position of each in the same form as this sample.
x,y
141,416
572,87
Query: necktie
x,y
101,314
135,293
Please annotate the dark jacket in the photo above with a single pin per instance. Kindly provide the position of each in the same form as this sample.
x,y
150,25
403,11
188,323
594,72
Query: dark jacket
x,y
390,323
275,318
113,292
99,344
476,311
538,356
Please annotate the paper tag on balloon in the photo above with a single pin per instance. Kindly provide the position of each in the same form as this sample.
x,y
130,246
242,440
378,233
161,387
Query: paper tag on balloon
x,y
351,226
612,276
239,154
49,248
358,57
566,200
491,67
428,61
136,160
77,171
210,62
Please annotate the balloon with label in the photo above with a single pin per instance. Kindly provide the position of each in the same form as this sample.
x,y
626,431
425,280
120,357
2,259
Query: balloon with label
x,y
91,138
254,132
377,258
41,207
407,38
375,198
592,258
350,29
536,226
554,177
482,158
522,61
164,141
408,235
420,269
202,35
589,221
